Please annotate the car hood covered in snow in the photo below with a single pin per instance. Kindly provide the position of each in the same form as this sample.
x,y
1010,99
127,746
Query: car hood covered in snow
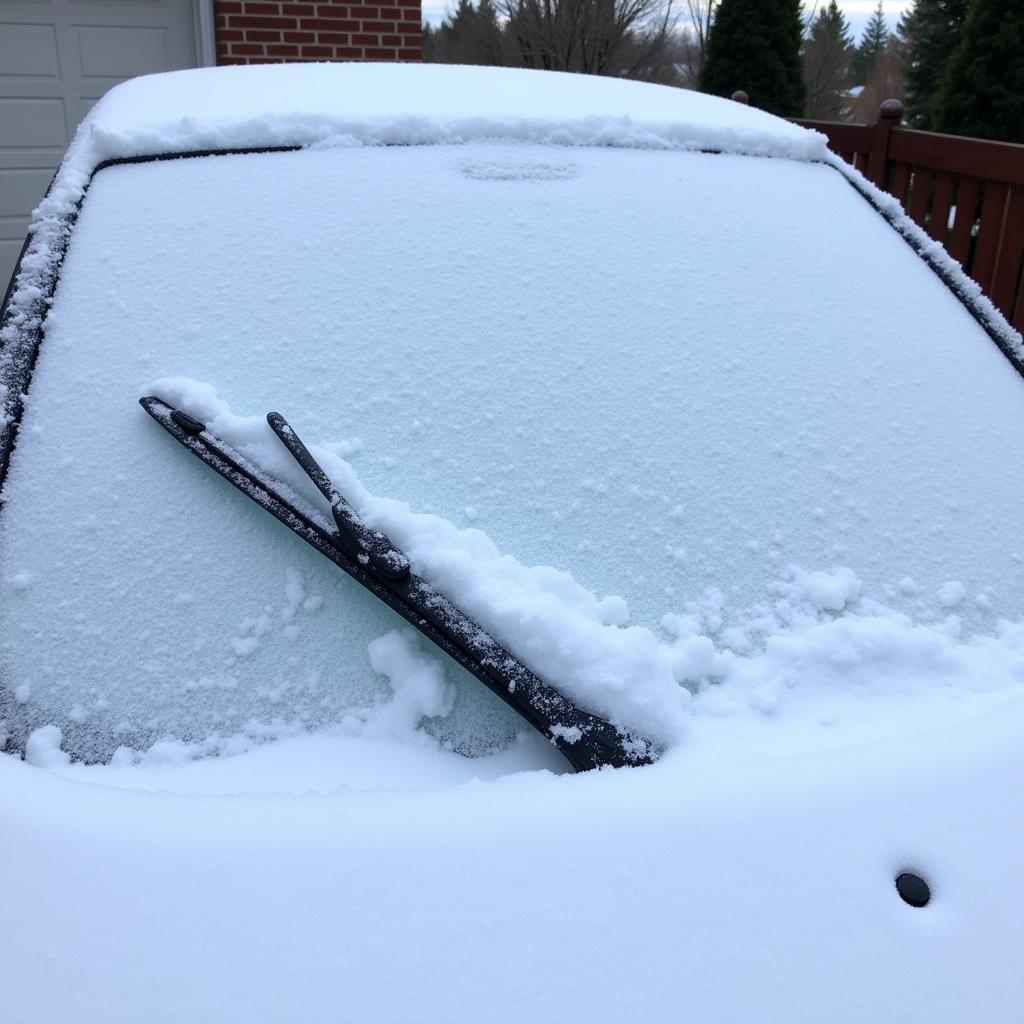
x,y
593,353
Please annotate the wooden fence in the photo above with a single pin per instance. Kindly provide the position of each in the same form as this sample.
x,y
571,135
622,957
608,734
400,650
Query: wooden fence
x,y
967,194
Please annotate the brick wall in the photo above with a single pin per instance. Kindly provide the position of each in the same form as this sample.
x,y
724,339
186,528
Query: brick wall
x,y
262,32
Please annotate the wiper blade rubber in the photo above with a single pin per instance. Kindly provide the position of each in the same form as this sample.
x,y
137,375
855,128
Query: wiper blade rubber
x,y
585,740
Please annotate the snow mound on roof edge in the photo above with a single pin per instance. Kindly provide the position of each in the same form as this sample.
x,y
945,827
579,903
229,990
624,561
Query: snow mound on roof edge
x,y
403,104
300,104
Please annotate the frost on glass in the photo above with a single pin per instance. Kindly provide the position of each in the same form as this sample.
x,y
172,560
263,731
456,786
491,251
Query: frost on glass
x,y
719,391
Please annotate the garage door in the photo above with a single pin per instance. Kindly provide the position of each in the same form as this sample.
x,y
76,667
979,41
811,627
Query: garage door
x,y
57,57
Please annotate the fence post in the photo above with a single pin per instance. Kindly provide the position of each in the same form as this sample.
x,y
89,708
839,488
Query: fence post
x,y
890,114
741,97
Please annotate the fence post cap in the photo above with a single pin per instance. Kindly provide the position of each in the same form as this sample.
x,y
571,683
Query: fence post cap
x,y
890,110
741,97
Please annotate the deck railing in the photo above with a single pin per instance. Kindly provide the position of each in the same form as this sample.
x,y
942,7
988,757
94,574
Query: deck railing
x,y
967,194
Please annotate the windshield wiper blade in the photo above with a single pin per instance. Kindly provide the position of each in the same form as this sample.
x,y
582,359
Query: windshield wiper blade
x,y
369,557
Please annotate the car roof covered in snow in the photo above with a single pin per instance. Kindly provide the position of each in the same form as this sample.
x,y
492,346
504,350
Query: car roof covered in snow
x,y
263,105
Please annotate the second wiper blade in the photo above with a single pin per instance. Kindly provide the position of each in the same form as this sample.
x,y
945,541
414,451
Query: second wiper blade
x,y
585,740
368,547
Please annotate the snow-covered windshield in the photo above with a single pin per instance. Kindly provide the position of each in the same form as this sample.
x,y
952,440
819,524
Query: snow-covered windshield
x,y
719,391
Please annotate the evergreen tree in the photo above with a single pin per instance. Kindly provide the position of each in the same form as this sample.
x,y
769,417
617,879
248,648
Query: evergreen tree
x,y
754,45
872,43
429,37
826,58
930,33
471,34
983,90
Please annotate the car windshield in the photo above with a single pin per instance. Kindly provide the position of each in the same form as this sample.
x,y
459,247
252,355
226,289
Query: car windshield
x,y
719,391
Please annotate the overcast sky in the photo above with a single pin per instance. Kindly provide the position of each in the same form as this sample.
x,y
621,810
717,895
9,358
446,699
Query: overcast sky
x,y
857,11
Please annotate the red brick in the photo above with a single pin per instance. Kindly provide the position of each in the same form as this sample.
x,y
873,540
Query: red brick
x,y
230,35
378,54
317,51
246,49
298,10
348,52
229,7
378,26
390,40
363,12
411,54
248,21
224,61
258,8
332,10
366,40
406,3
283,50
391,14
333,38
330,24
411,16
262,35
300,37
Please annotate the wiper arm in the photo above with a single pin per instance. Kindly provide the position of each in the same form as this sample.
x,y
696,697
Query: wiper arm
x,y
368,547
369,557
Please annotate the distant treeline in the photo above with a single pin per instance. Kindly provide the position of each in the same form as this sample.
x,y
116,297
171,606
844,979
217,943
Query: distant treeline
x,y
958,65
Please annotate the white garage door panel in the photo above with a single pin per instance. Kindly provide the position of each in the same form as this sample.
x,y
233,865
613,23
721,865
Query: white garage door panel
x,y
119,51
26,186
57,57
29,51
33,123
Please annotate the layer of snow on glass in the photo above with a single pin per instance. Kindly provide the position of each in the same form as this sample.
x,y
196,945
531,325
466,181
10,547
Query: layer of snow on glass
x,y
689,478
